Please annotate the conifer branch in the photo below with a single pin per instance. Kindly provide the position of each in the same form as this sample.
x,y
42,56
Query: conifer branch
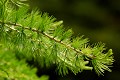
x,y
49,42
47,35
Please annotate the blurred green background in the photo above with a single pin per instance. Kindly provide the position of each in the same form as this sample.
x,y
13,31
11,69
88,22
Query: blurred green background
x,y
98,20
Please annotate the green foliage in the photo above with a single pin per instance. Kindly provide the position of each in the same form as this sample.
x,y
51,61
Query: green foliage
x,y
13,69
37,36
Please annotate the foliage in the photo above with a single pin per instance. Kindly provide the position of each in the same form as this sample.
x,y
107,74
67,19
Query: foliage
x,y
13,69
38,36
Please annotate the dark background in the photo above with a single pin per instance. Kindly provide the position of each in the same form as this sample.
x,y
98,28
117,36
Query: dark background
x,y
98,20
